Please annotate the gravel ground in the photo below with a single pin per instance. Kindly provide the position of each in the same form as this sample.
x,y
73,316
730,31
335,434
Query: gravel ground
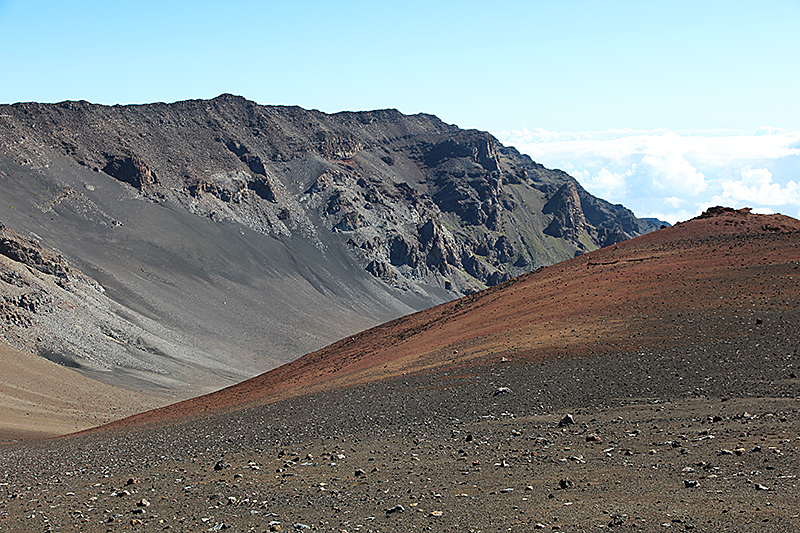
x,y
675,356
473,449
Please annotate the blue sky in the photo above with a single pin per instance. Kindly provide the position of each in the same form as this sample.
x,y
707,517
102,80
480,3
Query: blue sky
x,y
665,107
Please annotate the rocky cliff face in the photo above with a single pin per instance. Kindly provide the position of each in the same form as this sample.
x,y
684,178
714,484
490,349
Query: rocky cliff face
x,y
416,210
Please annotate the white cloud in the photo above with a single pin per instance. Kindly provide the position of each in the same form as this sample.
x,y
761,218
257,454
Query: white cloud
x,y
674,175
673,201
756,186
671,172
768,130
608,184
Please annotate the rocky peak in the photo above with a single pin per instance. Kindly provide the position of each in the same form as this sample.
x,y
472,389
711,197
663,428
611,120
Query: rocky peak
x,y
720,211
465,178
568,218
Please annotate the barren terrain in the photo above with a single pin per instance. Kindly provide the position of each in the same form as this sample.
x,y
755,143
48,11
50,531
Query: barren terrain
x,y
675,355
39,399
222,238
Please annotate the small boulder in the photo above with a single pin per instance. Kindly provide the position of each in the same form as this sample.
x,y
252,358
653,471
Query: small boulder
x,y
566,421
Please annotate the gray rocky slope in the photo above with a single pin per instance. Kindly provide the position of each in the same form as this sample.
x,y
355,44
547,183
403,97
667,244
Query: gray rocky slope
x,y
211,240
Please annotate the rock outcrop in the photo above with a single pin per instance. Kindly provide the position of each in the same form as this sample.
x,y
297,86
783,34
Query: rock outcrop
x,y
568,218
131,170
29,253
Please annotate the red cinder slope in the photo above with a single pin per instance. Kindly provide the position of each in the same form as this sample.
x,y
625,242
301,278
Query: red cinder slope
x,y
627,297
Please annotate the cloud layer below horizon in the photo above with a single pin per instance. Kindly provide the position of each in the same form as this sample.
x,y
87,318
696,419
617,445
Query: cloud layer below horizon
x,y
675,175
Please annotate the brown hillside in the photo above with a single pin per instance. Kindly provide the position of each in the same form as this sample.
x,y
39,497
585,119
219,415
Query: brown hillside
x,y
728,268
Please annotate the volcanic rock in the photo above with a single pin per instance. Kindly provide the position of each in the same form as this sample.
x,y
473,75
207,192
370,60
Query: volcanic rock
x,y
567,420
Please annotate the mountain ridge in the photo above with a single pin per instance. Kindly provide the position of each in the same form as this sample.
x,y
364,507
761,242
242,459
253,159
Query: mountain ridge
x,y
229,154
235,236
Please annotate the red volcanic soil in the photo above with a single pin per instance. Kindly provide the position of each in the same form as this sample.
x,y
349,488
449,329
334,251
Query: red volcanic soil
x,y
675,355
652,291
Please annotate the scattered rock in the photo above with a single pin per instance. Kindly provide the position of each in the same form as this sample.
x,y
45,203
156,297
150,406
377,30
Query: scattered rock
x,y
566,421
396,509
691,483
617,520
566,484
501,390
221,465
